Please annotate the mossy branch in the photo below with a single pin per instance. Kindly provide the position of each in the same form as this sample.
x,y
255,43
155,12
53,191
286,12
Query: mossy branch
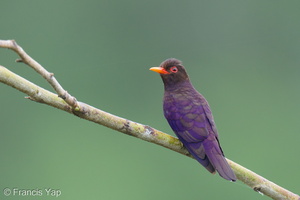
x,y
64,101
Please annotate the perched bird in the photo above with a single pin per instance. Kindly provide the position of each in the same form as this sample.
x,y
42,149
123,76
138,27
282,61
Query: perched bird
x,y
190,117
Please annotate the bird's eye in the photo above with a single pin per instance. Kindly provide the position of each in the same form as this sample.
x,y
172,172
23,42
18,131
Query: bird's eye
x,y
174,69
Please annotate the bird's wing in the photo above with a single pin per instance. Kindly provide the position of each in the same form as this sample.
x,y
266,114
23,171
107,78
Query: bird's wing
x,y
188,120
213,149
208,114
189,123
194,126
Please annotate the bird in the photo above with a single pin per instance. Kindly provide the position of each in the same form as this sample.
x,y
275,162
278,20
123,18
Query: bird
x,y
189,115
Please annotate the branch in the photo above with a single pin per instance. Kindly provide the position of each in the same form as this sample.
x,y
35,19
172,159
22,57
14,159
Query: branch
x,y
25,58
64,101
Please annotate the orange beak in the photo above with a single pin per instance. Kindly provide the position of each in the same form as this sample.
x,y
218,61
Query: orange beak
x,y
159,70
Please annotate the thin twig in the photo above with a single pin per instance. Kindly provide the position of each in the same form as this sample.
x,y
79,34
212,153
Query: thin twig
x,y
144,132
25,58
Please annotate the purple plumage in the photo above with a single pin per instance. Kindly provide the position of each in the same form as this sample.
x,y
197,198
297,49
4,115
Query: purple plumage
x,y
190,117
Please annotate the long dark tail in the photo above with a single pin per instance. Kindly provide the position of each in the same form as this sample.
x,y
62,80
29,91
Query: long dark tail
x,y
216,157
209,154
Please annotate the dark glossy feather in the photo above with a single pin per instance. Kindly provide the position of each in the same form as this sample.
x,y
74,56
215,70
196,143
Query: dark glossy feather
x,y
190,117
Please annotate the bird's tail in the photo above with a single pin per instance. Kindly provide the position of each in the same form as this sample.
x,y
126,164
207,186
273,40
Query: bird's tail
x,y
216,157
198,152
209,154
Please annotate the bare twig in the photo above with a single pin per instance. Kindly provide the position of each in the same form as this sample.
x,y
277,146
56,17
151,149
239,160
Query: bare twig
x,y
144,132
25,58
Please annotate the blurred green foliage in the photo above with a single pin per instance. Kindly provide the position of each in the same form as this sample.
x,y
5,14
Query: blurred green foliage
x,y
242,55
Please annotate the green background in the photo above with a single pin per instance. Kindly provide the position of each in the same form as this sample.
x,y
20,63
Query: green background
x,y
242,55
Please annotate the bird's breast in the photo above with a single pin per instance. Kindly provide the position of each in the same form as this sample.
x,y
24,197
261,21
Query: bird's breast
x,y
186,111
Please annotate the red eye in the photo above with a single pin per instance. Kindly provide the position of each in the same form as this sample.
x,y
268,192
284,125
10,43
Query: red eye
x,y
174,69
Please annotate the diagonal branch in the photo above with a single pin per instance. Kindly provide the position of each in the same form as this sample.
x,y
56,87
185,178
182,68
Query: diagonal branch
x,y
64,101
25,58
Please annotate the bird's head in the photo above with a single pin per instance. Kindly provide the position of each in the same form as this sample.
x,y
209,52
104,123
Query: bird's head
x,y
171,71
